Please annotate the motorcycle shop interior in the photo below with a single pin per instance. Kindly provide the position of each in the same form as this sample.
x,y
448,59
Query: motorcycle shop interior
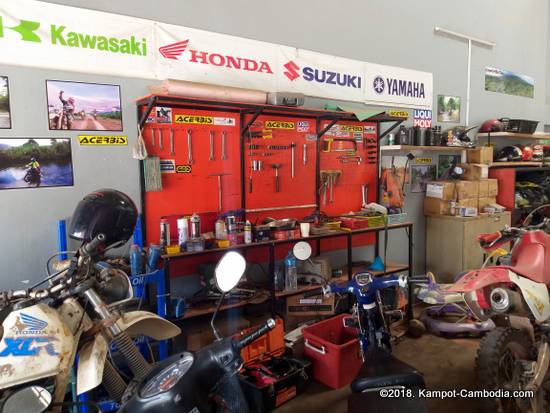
x,y
281,206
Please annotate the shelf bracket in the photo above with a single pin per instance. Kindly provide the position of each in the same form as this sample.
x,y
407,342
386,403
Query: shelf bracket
x,y
327,128
248,124
392,127
147,112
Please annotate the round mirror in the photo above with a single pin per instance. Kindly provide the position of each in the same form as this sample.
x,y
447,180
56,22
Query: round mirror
x,y
302,250
32,399
229,271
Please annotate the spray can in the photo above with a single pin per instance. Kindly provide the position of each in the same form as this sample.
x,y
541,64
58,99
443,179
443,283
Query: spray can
x,y
164,233
183,228
247,232
136,260
220,229
195,223
153,256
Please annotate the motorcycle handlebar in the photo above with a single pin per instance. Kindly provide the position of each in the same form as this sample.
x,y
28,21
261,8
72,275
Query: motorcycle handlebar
x,y
260,331
91,246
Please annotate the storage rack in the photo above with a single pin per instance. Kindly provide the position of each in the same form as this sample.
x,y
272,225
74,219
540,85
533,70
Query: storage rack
x,y
146,104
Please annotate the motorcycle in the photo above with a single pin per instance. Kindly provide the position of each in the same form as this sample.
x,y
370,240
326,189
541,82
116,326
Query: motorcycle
x,y
33,176
61,119
514,295
380,369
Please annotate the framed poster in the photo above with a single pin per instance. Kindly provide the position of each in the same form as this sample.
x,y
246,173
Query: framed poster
x,y
445,162
83,106
5,113
509,83
448,108
35,162
420,175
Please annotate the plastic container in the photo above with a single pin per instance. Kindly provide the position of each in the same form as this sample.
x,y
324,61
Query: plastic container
x,y
521,126
334,351
291,272
270,345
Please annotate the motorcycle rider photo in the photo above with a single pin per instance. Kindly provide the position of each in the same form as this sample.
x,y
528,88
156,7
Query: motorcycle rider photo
x,y
33,173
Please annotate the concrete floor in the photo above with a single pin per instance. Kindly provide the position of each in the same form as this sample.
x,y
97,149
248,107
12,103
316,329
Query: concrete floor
x,y
446,364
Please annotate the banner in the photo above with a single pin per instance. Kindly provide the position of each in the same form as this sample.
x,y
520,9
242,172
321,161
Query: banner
x,y
39,34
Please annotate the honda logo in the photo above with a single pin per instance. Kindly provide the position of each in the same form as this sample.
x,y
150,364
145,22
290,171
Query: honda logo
x,y
174,50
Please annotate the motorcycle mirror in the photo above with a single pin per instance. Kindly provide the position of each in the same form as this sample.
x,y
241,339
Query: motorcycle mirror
x,y
229,271
302,250
32,399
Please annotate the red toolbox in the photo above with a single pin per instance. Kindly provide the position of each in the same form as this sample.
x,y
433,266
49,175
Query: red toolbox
x,y
269,378
334,351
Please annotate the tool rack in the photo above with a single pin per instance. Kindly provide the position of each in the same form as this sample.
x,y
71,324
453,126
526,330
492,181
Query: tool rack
x,y
248,113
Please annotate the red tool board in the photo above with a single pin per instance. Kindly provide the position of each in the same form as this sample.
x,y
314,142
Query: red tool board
x,y
193,188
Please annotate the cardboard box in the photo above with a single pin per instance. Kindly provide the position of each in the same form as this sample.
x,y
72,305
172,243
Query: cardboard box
x,y
483,202
434,206
441,190
467,190
474,171
467,203
488,188
297,305
483,155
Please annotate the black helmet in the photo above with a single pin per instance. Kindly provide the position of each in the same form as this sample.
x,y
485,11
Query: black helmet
x,y
106,211
509,154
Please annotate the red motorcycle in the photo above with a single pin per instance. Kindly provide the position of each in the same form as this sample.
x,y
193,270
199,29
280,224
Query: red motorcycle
x,y
512,361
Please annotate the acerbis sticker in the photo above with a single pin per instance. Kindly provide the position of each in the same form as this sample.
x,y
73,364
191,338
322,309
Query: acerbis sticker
x,y
88,140
423,161
279,124
398,113
194,119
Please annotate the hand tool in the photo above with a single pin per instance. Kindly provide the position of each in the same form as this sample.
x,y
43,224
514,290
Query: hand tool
x,y
282,208
277,147
211,158
172,149
250,180
364,188
292,149
305,153
276,166
327,145
152,137
219,189
161,143
224,153
189,148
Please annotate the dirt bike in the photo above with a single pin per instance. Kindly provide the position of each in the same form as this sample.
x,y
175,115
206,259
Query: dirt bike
x,y
516,354
380,370
33,176
61,120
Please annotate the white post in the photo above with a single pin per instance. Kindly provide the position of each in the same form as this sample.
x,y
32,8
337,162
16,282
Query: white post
x,y
468,82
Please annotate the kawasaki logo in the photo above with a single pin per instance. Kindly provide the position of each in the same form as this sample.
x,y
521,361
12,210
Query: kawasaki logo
x,y
175,50
311,74
59,37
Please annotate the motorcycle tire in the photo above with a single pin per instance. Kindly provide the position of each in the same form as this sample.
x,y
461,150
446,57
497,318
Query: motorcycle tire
x,y
495,359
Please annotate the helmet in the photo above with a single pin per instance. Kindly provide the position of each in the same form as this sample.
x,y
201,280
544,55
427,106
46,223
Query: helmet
x,y
491,125
33,159
509,154
106,211
527,153
71,101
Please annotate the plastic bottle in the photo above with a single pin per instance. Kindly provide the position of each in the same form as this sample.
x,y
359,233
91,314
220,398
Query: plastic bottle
x,y
291,273
220,229
247,232
183,232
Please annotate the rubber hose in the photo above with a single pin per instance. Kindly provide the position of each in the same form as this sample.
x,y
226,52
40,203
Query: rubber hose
x,y
136,362
113,383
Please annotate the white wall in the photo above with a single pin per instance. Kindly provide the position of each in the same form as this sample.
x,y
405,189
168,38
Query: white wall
x,y
398,32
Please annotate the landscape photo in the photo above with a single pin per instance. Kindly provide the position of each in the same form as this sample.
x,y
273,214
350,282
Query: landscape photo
x,y
35,162
5,114
510,83
448,108
83,106
421,175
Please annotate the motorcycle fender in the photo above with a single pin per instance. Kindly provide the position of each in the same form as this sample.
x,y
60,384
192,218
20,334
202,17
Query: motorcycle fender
x,y
535,295
91,361
148,324
478,279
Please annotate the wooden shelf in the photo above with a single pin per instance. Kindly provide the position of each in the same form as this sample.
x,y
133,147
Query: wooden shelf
x,y
210,308
525,163
512,135
408,148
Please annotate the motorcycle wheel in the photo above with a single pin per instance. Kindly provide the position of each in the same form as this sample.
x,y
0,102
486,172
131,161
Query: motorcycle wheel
x,y
496,369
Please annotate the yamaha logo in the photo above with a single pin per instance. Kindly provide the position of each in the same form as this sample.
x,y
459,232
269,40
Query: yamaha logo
x,y
379,84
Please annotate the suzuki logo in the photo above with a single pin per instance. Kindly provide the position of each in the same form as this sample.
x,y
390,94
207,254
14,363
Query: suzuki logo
x,y
25,28
292,72
174,50
379,85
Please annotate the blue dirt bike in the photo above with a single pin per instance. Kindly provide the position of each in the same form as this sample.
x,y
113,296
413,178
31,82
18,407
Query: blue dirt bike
x,y
380,370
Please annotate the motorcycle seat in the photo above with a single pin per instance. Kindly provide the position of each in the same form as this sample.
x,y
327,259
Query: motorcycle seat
x,y
382,369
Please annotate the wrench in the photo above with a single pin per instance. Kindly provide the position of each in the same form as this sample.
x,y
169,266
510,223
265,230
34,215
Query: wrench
x,y
292,146
211,146
161,144
189,148
305,153
224,154
153,137
172,150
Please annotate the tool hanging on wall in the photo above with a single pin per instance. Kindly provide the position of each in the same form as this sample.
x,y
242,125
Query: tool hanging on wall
x,y
224,153
329,178
220,190
364,195
276,166
172,148
161,143
292,150
252,168
351,159
152,137
189,148
212,157
305,154
278,147
343,145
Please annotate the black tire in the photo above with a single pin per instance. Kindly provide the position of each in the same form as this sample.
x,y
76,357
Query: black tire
x,y
494,361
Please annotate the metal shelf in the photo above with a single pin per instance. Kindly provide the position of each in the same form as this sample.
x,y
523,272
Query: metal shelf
x,y
512,135
408,148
